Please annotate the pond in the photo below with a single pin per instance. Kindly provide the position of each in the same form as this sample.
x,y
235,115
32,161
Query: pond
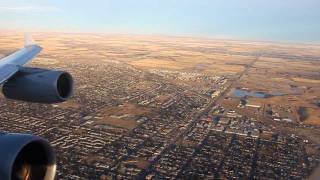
x,y
258,94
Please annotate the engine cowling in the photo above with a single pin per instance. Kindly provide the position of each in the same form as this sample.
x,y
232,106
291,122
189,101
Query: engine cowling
x,y
39,85
26,157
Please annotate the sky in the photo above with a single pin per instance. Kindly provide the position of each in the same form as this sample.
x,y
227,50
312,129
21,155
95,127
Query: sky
x,y
270,20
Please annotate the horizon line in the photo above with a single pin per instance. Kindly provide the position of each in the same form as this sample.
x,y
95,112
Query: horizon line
x,y
166,35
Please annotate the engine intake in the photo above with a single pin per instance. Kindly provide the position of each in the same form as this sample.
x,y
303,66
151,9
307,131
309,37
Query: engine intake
x,y
26,157
39,85
65,85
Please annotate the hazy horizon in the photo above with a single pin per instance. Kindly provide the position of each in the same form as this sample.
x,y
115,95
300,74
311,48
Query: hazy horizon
x,y
285,21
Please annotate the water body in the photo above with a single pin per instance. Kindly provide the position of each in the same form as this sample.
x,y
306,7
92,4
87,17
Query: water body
x,y
258,94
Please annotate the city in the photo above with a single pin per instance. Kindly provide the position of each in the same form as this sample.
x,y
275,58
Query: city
x,y
133,118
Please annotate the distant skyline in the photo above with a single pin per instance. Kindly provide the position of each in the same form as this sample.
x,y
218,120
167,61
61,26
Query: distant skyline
x,y
270,20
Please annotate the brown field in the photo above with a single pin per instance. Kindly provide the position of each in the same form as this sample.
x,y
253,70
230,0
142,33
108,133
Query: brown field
x,y
122,116
69,104
305,80
139,162
162,99
127,124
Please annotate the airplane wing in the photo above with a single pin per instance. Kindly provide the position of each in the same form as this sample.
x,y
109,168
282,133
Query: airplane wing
x,y
12,63
6,71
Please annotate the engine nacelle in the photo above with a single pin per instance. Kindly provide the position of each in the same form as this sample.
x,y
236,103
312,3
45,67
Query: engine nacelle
x,y
26,157
39,85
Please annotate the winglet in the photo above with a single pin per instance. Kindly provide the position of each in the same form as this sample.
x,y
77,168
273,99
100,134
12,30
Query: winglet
x,y
28,40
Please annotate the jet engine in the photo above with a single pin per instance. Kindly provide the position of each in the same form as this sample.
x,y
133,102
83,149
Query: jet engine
x,y
26,157
39,85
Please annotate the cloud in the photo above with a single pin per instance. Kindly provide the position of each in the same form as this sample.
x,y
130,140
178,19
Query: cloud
x,y
28,9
